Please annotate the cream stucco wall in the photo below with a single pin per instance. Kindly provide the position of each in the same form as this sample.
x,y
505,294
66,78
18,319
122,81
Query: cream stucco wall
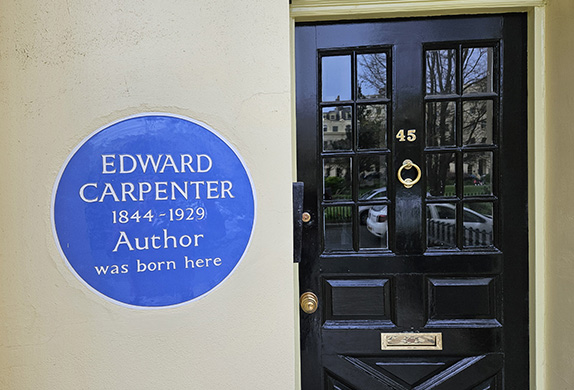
x,y
66,69
560,229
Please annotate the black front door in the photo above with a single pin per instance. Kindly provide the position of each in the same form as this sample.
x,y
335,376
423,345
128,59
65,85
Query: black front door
x,y
411,142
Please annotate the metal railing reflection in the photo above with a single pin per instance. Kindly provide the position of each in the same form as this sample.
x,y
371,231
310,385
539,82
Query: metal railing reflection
x,y
337,214
443,234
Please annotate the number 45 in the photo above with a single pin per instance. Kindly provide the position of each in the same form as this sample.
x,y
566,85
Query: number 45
x,y
411,135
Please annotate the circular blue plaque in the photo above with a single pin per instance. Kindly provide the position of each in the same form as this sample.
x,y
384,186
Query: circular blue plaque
x,y
154,210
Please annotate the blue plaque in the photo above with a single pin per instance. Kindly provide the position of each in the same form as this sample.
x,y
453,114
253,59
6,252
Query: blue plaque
x,y
154,210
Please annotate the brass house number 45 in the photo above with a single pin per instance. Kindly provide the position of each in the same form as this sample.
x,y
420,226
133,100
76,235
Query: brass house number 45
x,y
410,135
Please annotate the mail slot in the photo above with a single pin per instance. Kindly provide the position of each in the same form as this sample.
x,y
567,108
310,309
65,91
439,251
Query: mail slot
x,y
411,341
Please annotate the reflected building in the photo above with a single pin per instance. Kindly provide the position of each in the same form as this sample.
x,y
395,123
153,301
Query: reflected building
x,y
337,128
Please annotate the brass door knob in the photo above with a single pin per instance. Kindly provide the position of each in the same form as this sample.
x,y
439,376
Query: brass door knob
x,y
309,302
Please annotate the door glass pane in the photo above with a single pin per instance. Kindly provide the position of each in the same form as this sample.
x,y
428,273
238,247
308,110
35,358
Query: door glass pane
x,y
337,128
477,71
441,225
477,122
440,121
477,221
338,228
336,78
337,178
372,176
441,174
373,232
477,173
372,76
441,72
372,126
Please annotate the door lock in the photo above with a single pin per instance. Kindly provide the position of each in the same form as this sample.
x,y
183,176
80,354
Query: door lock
x,y
309,302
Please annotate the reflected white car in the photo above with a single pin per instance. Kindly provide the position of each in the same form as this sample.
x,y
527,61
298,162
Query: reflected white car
x,y
445,213
377,193
442,213
441,226
377,220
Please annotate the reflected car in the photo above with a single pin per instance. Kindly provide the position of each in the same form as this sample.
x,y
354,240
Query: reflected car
x,y
441,229
377,193
377,220
445,213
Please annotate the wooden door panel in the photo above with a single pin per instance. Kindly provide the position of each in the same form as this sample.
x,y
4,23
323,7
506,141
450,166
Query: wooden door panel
x,y
356,374
361,299
466,299
417,373
448,255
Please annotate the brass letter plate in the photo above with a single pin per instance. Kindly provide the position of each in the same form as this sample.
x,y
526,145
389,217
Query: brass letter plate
x,y
411,341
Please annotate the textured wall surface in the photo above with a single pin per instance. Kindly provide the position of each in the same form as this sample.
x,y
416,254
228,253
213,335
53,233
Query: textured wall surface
x,y
68,68
560,230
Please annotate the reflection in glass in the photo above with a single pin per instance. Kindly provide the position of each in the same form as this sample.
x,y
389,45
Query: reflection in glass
x,y
374,194
372,175
440,120
374,234
337,131
372,76
477,221
477,173
441,174
338,228
337,178
477,122
336,78
440,72
372,126
477,66
441,225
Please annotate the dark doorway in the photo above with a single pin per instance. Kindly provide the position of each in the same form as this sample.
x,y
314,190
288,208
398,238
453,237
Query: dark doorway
x,y
412,144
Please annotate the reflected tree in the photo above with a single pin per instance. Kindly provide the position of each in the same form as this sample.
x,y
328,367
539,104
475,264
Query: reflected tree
x,y
372,173
441,66
441,70
372,75
371,126
476,69
337,176
440,80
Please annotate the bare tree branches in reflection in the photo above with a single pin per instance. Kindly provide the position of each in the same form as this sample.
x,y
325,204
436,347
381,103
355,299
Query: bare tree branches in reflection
x,y
477,115
477,65
372,75
441,72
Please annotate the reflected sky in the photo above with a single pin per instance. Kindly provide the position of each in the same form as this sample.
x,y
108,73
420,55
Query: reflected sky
x,y
336,78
